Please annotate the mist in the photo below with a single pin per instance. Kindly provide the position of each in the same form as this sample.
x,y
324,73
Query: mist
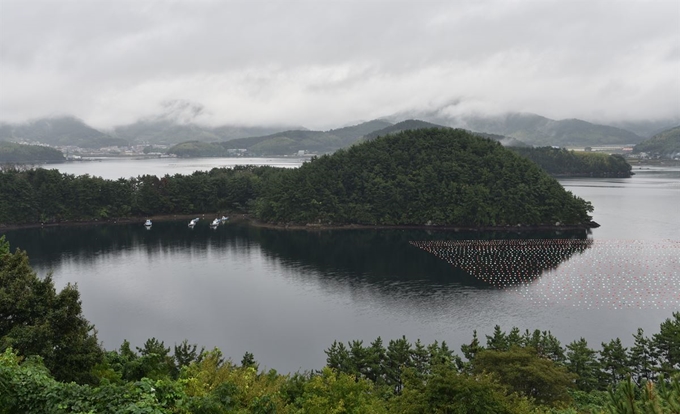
x,y
324,64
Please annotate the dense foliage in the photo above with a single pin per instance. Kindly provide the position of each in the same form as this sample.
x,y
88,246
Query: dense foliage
x,y
666,143
411,124
514,372
36,320
421,177
200,149
48,196
19,153
563,163
402,126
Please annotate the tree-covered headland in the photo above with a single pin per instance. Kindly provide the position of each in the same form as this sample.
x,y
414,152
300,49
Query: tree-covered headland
x,y
11,152
437,177
51,362
433,176
560,162
47,196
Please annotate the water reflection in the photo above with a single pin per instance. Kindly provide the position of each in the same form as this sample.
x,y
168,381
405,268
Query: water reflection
x,y
369,256
382,267
374,255
47,247
505,263
286,295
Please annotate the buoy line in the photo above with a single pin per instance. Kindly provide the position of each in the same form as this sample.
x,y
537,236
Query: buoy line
x,y
583,273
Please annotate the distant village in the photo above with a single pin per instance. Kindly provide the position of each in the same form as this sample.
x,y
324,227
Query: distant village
x,y
74,153
77,153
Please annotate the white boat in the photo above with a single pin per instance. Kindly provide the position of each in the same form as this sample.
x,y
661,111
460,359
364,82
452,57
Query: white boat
x,y
193,222
147,223
215,223
223,219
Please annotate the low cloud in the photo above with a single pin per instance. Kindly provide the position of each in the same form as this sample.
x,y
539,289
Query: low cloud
x,y
325,63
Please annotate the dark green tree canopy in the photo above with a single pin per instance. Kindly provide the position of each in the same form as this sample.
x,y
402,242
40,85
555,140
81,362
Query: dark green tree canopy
x,y
421,177
560,162
36,320
11,152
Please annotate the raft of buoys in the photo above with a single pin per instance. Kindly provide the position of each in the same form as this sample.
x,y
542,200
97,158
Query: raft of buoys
x,y
573,272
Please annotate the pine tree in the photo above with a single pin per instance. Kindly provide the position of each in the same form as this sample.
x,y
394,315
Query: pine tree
x,y
398,358
582,361
614,362
376,362
666,344
642,359
498,341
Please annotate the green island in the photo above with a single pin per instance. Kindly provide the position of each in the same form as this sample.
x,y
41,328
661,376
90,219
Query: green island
x,y
52,362
441,177
425,177
11,152
560,162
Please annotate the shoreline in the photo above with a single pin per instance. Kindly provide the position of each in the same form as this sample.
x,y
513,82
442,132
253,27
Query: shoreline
x,y
123,220
240,217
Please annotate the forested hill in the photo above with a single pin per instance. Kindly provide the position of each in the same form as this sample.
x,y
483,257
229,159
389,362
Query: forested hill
x,y
399,127
441,177
19,153
418,124
59,131
352,133
432,176
506,141
564,163
289,142
538,130
281,143
666,143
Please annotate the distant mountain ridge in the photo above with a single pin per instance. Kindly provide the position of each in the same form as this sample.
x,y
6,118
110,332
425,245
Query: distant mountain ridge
x,y
162,131
647,128
285,142
665,144
61,131
70,131
409,124
534,129
412,124
288,142
317,142
528,128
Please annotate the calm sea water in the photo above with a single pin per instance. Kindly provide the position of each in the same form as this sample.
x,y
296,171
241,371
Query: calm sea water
x,y
287,295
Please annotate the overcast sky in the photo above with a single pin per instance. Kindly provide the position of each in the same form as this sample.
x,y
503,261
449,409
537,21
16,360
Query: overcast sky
x,y
324,64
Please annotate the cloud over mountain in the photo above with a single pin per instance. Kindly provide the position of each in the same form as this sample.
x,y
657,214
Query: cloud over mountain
x,y
337,62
